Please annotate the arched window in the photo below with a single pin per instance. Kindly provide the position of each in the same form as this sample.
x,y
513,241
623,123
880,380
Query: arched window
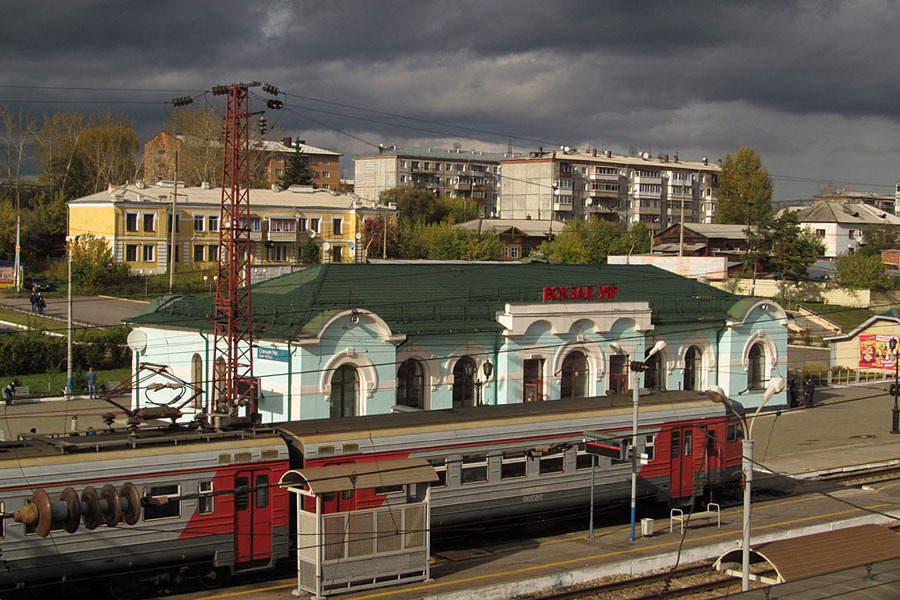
x,y
693,369
411,384
463,382
197,381
654,376
574,382
756,373
344,391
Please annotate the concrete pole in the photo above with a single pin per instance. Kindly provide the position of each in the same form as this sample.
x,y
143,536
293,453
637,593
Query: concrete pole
x,y
591,525
747,456
69,328
17,279
172,229
635,397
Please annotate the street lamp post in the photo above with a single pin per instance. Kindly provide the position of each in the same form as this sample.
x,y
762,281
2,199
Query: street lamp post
x,y
895,389
634,368
71,241
733,407
488,368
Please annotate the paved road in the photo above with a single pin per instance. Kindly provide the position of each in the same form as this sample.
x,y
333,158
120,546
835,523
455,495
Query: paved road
x,y
90,310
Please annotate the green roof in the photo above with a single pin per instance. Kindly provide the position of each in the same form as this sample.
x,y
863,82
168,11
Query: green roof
x,y
441,297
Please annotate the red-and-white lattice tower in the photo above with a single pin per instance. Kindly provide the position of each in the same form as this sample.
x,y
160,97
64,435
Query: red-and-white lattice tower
x,y
233,320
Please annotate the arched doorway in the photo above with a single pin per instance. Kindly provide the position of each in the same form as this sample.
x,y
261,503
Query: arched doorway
x,y
344,386
197,381
463,383
756,371
693,369
411,384
574,380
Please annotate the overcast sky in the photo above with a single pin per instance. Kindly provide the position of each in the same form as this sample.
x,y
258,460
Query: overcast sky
x,y
813,86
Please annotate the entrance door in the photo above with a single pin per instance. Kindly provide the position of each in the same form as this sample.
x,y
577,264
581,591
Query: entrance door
x,y
682,478
533,380
253,518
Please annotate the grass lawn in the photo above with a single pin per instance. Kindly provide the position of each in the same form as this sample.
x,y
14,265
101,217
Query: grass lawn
x,y
42,384
845,317
32,321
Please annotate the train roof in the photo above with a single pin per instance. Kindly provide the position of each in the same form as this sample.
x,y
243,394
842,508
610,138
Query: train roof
x,y
503,417
167,440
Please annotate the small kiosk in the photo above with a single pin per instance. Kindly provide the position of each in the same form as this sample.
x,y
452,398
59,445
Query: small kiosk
x,y
362,525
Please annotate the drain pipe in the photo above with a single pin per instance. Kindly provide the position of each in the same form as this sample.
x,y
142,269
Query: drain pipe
x,y
205,369
290,376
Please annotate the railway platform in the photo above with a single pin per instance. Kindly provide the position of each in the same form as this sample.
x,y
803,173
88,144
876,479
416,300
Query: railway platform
x,y
848,429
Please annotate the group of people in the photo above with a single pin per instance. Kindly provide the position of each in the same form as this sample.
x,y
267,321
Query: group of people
x,y
90,378
809,392
38,304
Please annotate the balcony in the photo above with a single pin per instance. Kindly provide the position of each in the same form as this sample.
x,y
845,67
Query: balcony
x,y
281,236
602,191
598,205
563,204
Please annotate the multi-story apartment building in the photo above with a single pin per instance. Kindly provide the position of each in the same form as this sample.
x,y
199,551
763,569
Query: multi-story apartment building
x,y
159,161
470,174
883,202
568,184
136,220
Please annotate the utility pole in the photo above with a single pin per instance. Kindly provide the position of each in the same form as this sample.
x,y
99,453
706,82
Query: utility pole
x,y
16,277
172,228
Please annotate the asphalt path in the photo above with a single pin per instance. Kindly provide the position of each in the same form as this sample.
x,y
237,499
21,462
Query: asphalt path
x,y
87,310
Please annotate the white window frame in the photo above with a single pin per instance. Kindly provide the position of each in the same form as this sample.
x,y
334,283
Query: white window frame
x,y
136,253
337,225
207,495
314,224
137,222
144,222
147,493
201,221
144,252
209,223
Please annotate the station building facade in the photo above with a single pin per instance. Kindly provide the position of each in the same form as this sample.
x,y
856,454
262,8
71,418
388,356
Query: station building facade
x,y
341,339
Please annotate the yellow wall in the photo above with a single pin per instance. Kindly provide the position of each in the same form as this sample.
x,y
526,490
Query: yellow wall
x,y
99,221
846,353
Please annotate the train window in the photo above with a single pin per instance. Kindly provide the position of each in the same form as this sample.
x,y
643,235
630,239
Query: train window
x,y
553,463
388,489
474,468
205,501
688,441
163,502
711,442
676,444
262,491
513,465
440,468
734,433
650,446
241,493
347,495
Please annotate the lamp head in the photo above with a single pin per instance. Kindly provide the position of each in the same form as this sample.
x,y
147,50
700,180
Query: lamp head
x,y
658,347
733,407
618,349
469,367
488,368
776,385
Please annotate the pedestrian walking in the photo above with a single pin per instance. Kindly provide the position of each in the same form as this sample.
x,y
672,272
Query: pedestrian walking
x,y
33,301
41,304
91,378
8,392
810,391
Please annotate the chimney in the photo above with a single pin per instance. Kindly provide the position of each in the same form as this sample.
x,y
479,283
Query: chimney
x,y
286,141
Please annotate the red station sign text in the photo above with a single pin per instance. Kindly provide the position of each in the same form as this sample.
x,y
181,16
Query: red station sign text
x,y
580,292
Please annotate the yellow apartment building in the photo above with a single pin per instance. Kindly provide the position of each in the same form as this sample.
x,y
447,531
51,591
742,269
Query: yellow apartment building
x,y
135,219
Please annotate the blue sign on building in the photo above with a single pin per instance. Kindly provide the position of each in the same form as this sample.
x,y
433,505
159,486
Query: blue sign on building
x,y
279,354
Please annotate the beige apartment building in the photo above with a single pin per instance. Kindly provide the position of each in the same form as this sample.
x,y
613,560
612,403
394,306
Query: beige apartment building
x,y
470,174
567,184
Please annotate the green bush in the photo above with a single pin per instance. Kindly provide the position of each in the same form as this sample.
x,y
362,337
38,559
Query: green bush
x,y
33,352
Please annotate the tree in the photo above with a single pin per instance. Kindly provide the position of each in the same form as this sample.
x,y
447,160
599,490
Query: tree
x,y
81,155
781,246
93,265
297,172
745,191
15,133
881,237
309,253
592,241
373,240
856,270
414,205
200,133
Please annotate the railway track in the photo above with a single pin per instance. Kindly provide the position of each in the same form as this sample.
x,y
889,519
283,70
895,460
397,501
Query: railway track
x,y
681,583
863,477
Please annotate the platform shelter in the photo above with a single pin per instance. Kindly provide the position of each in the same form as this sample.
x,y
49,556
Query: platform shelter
x,y
344,545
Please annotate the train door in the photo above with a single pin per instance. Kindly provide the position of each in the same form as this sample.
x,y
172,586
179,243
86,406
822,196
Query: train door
x,y
253,518
682,461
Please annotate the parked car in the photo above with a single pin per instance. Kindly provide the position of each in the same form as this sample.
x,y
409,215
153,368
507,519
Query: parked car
x,y
37,284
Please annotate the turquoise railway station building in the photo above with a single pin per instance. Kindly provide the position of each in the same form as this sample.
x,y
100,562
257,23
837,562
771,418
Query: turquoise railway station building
x,y
358,339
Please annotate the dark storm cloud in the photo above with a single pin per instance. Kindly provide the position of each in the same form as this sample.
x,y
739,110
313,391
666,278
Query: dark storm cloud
x,y
700,77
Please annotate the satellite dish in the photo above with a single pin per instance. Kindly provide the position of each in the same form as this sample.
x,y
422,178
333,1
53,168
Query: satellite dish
x,y
137,340
457,145
312,234
359,236
326,246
